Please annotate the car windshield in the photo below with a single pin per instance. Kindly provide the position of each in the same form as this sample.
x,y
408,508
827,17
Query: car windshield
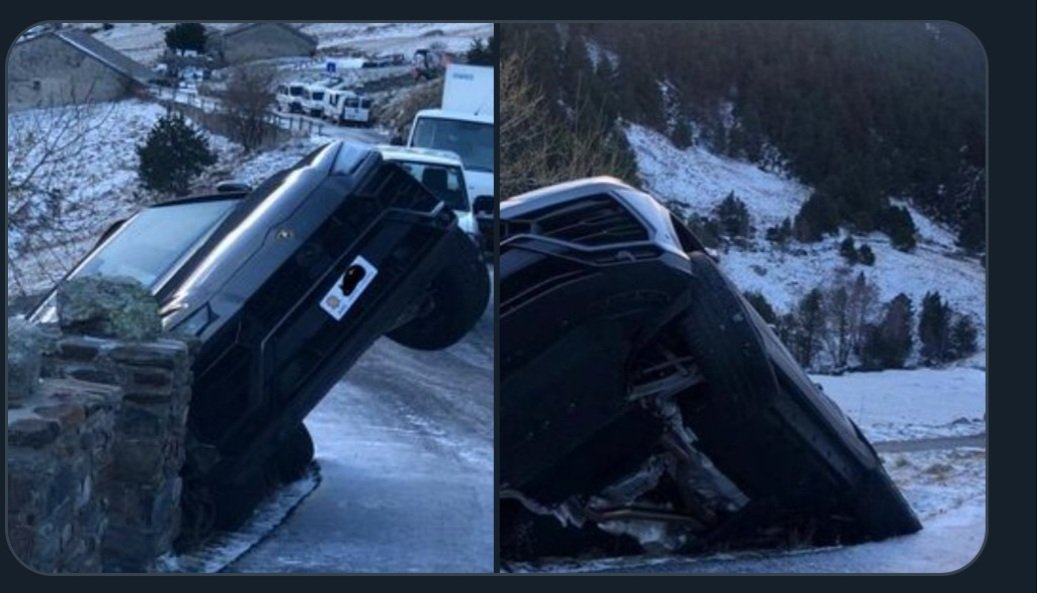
x,y
445,181
149,245
295,91
472,141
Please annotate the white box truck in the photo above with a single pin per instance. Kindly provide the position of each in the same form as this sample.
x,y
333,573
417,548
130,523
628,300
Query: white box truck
x,y
464,125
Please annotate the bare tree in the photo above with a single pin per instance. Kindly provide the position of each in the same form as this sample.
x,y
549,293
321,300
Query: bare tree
x,y
48,156
850,305
247,100
837,320
862,307
538,149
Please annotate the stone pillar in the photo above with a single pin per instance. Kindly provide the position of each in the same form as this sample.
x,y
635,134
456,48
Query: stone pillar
x,y
59,444
142,484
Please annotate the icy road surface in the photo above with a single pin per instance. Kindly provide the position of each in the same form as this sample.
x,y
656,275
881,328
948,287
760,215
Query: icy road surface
x,y
405,447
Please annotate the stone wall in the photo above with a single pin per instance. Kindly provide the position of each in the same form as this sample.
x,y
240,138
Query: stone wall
x,y
59,443
110,414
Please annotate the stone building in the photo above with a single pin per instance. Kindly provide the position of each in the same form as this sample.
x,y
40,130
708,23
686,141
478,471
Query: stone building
x,y
69,66
260,41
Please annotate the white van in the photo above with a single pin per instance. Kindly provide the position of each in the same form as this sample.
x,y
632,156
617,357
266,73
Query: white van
x,y
289,97
347,107
313,100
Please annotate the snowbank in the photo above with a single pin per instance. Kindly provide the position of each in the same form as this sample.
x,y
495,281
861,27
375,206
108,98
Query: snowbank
x,y
921,403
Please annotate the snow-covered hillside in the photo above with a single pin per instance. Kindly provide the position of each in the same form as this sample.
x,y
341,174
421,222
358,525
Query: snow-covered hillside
x,y
701,179
98,182
405,38
145,42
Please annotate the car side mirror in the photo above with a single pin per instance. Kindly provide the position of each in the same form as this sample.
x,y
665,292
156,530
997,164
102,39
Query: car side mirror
x,y
396,140
233,187
483,205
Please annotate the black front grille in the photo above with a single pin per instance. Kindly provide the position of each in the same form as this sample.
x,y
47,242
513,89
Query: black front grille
x,y
591,221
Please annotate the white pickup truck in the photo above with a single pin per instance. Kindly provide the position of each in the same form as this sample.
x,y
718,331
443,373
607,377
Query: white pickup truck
x,y
443,173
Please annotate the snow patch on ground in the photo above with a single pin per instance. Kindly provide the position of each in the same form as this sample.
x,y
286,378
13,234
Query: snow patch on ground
x,y
596,53
700,179
403,38
903,405
221,549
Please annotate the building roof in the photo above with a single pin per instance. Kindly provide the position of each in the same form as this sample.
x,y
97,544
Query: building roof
x,y
105,54
230,31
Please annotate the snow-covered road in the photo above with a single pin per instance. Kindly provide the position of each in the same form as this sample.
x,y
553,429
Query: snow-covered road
x,y
405,447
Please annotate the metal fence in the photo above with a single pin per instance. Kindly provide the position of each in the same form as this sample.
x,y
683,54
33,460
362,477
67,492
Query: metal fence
x,y
297,124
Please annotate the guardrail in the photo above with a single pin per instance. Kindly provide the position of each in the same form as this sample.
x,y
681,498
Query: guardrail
x,y
296,123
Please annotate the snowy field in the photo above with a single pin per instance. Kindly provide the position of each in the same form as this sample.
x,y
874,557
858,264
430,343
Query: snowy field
x,y
907,405
945,486
145,42
701,179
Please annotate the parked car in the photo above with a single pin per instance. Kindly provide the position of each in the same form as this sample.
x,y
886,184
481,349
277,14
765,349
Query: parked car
x,y
285,286
645,405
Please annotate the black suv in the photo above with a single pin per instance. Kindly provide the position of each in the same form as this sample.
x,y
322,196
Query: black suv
x,y
285,287
646,405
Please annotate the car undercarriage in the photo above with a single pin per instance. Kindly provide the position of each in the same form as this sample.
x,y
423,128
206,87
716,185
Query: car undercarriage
x,y
646,407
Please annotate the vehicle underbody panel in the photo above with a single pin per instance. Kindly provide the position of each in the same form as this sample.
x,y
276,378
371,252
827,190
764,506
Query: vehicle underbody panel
x,y
645,407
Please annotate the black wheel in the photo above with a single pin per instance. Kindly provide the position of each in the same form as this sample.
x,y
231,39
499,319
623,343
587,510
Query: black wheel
x,y
725,341
763,424
294,457
733,419
458,298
